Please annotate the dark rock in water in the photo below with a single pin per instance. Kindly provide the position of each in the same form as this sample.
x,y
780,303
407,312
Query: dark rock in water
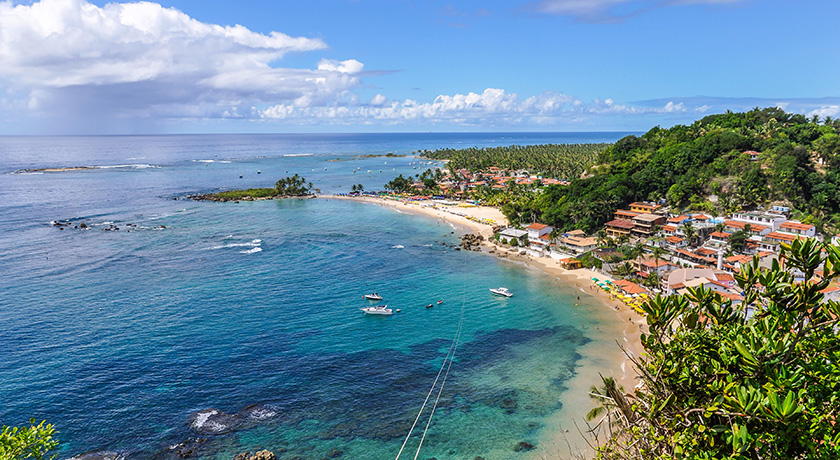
x,y
259,412
523,446
83,225
334,453
99,455
213,421
261,455
187,448
478,457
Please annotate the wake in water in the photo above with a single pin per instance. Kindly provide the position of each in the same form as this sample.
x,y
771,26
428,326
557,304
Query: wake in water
x,y
254,246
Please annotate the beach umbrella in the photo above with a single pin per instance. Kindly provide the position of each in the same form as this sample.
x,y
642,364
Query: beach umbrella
x,y
594,279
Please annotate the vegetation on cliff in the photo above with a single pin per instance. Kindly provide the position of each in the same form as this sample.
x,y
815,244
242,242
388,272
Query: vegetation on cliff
x,y
704,167
718,384
562,161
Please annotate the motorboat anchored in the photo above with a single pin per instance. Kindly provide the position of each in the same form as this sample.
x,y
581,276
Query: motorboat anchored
x,y
502,291
378,310
373,296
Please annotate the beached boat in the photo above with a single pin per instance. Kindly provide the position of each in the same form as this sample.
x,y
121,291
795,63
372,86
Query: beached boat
x,y
373,296
502,291
378,310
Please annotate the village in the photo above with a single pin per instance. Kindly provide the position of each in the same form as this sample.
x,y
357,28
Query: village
x,y
668,253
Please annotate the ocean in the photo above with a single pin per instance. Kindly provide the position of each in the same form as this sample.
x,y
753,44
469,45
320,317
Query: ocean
x,y
209,329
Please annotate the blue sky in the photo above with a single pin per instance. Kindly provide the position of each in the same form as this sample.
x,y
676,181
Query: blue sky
x,y
79,67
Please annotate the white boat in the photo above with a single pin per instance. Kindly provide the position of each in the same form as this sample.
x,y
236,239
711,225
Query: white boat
x,y
373,296
502,291
378,310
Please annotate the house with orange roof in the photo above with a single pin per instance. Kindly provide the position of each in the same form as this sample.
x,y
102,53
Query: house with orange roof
x,y
733,226
676,242
625,214
616,228
645,208
536,230
766,219
660,267
679,220
720,237
798,228
669,230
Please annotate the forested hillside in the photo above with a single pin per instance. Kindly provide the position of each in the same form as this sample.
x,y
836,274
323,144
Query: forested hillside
x,y
560,161
703,167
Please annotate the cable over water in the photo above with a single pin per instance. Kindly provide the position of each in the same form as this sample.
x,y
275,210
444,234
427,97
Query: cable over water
x,y
447,363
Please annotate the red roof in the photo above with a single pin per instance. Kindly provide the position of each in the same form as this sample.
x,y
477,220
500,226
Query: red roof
x,y
796,226
537,226
722,235
621,223
724,277
781,236
674,239
700,217
546,237
740,225
669,228
705,251
679,218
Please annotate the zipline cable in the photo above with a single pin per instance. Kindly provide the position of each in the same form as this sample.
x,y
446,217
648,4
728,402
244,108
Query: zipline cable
x,y
450,355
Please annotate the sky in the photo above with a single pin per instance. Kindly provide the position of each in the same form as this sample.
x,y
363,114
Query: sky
x,y
204,66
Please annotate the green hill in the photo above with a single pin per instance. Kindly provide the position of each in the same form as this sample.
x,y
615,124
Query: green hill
x,y
703,167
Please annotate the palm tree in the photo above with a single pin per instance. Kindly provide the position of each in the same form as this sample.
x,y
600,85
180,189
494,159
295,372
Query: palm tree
x,y
689,232
614,406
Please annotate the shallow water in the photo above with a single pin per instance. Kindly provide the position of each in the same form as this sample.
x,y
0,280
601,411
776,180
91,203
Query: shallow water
x,y
124,339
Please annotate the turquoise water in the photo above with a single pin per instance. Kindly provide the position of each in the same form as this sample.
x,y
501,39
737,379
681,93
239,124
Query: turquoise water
x,y
122,338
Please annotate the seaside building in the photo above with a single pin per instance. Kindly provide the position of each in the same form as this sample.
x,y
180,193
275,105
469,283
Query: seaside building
x,y
618,227
511,233
760,218
644,224
733,226
578,244
659,267
537,230
798,228
646,208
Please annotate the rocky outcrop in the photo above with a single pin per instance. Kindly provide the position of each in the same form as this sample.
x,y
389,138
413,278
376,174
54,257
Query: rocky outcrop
x,y
261,455
471,242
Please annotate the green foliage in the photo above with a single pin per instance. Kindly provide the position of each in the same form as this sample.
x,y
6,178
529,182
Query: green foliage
x,y
686,164
293,186
251,192
716,385
564,161
34,441
399,184
288,186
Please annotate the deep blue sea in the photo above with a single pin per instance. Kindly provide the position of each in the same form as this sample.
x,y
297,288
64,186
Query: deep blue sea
x,y
124,340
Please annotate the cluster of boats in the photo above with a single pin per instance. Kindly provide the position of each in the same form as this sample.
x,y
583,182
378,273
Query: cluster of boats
x,y
384,310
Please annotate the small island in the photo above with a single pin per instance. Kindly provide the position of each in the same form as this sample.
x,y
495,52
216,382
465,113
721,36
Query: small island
x,y
288,187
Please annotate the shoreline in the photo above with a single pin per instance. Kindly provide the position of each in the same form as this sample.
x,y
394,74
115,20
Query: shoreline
x,y
618,323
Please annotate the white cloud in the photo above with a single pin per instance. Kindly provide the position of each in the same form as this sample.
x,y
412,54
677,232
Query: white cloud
x,y
826,111
141,59
493,106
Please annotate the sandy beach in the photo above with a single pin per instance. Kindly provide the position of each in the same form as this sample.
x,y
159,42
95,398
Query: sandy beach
x,y
620,324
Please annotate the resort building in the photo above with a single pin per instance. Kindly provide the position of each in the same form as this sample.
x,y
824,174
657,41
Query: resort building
x,y
643,224
536,230
511,234
660,267
625,214
579,245
733,226
645,208
798,228
618,227
757,218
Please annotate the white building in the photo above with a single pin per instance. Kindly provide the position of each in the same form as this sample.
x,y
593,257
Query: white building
x,y
760,218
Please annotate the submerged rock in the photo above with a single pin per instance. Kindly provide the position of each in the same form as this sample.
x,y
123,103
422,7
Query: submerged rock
x,y
523,446
213,421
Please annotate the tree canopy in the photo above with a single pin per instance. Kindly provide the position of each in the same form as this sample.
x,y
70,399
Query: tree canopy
x,y
719,384
33,441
